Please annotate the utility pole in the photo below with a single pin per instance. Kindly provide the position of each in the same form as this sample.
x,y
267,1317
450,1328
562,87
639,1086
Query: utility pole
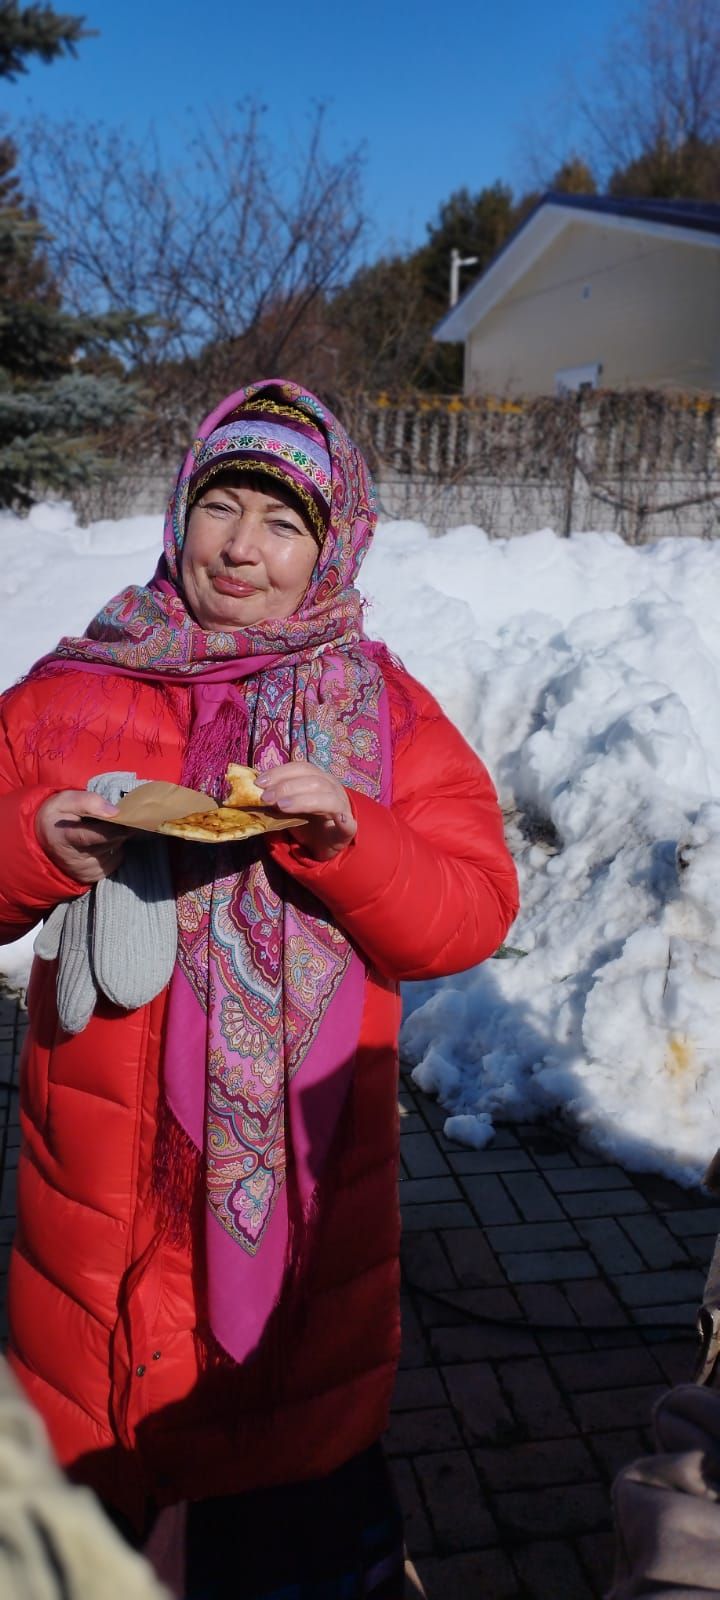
x,y
456,262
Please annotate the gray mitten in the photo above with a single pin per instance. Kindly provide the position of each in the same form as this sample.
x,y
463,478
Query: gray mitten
x,y
76,988
47,943
135,927
66,934
68,931
121,936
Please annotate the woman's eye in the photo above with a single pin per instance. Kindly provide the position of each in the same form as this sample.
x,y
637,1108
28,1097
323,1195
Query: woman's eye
x,y
218,507
285,527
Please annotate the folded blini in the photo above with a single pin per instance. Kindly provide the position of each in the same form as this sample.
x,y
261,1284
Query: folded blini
x,y
226,825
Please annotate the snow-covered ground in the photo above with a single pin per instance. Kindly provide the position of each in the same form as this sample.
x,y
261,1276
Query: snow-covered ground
x,y
587,674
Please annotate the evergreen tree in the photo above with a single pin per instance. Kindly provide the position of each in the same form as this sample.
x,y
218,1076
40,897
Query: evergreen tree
x,y
574,177
61,387
382,321
378,328
690,171
476,225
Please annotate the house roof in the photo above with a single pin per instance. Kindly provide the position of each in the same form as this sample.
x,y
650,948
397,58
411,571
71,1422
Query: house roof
x,y
684,221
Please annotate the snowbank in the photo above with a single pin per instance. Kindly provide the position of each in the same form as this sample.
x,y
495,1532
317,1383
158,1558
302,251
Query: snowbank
x,y
587,673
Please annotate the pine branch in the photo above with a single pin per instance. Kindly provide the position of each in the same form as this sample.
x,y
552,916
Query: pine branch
x,y
36,30
52,434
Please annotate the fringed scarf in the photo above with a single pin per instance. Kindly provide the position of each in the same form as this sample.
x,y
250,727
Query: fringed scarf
x,y
265,1003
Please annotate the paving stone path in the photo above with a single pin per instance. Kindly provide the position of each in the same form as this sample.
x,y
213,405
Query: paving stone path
x,y
549,1299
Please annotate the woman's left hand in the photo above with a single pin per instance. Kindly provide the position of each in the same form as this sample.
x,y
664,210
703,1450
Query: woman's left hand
x,y
308,791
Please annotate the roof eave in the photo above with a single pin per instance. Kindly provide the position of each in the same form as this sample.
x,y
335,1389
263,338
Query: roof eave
x,y
539,231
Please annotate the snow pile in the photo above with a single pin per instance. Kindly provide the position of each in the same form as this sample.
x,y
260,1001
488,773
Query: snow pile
x,y
54,576
587,674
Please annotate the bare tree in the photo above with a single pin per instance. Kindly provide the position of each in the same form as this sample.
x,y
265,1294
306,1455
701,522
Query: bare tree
x,y
231,255
658,89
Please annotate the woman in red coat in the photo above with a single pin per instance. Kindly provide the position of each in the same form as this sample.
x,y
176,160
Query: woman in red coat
x,y
204,1283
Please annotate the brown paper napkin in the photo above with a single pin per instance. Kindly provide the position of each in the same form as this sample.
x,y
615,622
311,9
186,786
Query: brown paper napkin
x,y
168,808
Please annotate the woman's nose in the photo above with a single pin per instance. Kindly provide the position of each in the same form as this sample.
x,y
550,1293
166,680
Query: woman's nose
x,y
242,540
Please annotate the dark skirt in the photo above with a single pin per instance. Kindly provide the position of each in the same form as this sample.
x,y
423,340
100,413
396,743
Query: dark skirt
x,y
334,1538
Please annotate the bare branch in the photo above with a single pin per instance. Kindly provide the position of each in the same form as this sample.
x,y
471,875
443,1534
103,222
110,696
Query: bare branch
x,y
231,250
658,86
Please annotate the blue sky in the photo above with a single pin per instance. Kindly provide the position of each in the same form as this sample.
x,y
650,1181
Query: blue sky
x,y
440,96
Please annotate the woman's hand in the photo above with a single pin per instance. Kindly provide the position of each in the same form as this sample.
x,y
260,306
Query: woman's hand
x,y
307,791
73,833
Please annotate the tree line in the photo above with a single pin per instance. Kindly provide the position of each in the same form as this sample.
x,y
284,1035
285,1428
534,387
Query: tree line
x,y
132,293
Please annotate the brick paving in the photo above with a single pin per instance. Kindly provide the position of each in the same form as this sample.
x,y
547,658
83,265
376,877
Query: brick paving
x,y
548,1300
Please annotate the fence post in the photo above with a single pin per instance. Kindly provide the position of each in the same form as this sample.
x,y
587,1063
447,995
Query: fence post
x,y
573,437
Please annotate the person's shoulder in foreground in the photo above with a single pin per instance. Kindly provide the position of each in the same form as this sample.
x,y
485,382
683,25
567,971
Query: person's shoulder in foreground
x,y
54,1539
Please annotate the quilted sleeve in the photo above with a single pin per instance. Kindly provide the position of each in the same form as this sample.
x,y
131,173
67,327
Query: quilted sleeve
x,y
427,886
30,884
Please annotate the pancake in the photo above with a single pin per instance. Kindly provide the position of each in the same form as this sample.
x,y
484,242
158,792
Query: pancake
x,y
226,825
244,791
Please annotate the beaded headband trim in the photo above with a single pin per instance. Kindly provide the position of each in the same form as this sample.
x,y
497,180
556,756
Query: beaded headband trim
x,y
295,455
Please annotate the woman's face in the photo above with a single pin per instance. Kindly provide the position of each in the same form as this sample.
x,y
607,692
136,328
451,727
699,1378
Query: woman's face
x,y
247,557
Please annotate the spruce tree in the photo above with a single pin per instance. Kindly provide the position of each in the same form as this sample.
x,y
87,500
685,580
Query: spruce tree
x,y
61,388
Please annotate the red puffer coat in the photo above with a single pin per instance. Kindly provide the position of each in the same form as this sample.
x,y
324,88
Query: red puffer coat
x,y
102,1307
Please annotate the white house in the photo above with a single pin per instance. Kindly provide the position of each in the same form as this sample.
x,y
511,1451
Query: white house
x,y
591,290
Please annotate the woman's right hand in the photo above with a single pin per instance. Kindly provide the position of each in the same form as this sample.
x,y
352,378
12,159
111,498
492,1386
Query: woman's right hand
x,y
73,832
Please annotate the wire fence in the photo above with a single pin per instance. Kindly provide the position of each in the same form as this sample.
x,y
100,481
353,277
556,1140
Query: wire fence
x,y
643,464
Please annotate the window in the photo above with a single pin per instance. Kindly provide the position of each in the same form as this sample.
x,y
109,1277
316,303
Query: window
x,y
569,380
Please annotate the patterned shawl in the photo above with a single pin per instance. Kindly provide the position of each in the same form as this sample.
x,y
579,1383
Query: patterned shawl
x,y
265,1003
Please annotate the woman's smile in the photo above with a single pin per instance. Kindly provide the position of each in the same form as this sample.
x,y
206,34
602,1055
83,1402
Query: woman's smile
x,y
226,584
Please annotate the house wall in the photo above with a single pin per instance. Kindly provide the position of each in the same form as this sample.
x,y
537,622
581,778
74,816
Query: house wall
x,y
646,308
